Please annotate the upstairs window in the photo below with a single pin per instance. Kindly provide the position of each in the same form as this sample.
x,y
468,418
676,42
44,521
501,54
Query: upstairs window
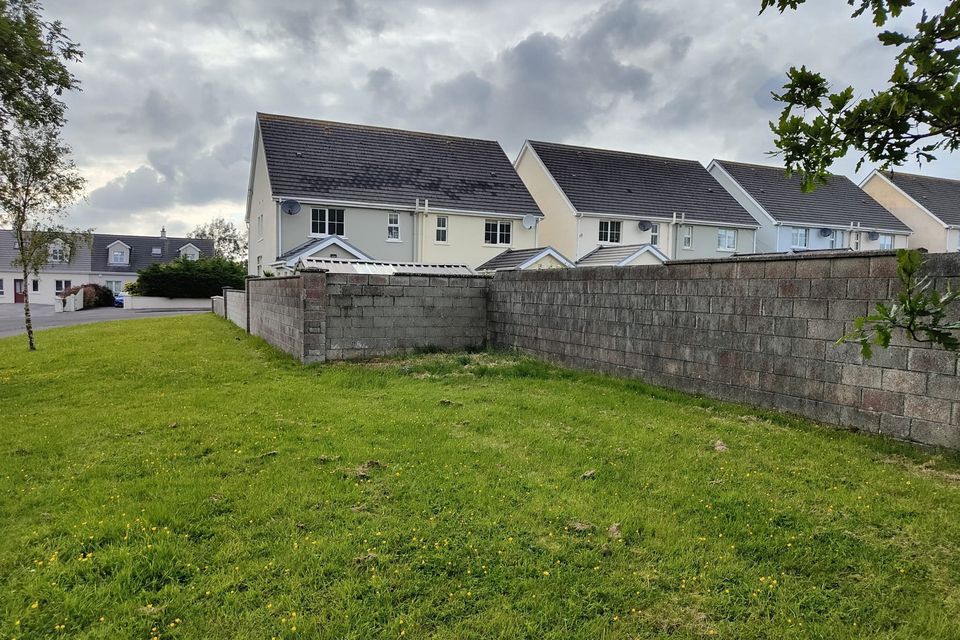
x,y
119,256
610,230
799,237
1,286
838,240
441,229
886,241
686,236
393,227
727,240
156,251
497,232
57,254
655,235
326,222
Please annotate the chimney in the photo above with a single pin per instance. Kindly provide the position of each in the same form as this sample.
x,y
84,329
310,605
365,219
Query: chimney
x,y
163,232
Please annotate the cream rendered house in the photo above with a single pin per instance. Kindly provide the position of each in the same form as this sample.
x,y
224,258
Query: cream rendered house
x,y
598,198
930,206
836,215
337,190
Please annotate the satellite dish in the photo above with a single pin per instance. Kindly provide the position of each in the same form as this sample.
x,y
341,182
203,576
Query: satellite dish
x,y
873,236
826,233
529,221
290,207
644,225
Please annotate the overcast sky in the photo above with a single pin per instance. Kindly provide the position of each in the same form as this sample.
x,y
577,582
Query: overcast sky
x,y
164,125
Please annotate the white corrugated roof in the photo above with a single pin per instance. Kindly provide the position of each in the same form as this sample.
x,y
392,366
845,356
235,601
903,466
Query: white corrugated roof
x,y
334,265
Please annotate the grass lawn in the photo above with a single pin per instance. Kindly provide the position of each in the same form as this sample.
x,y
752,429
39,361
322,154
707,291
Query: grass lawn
x,y
175,478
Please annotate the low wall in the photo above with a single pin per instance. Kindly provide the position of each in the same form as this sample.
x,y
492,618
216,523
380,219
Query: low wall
x,y
141,303
235,307
754,330
218,306
374,315
289,313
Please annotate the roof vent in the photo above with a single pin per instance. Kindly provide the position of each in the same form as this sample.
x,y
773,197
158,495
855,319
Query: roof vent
x,y
299,154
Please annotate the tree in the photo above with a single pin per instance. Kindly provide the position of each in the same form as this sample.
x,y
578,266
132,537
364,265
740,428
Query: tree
x,y
185,278
228,242
917,114
920,311
38,180
33,74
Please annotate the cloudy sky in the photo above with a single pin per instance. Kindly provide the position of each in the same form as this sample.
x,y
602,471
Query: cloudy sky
x,y
164,125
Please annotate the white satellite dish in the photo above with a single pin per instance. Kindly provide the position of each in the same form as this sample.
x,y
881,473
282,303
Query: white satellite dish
x,y
529,221
290,207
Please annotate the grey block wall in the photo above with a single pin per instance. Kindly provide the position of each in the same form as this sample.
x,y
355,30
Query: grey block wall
x,y
754,330
218,306
374,315
235,304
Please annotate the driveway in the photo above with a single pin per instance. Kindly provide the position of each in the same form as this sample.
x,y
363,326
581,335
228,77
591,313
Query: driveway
x,y
11,317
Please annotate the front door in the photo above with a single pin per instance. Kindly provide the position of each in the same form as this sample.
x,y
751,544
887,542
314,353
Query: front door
x,y
18,290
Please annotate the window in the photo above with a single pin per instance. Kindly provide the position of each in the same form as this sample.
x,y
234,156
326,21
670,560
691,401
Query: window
x,y
441,229
116,286
1,286
655,235
799,237
886,241
57,254
326,222
686,237
119,256
393,227
260,225
36,286
727,240
497,231
62,285
838,240
610,230
156,251
259,265
856,241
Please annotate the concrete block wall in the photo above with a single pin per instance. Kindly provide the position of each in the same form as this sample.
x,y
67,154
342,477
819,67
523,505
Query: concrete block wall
x,y
754,330
235,306
374,315
218,306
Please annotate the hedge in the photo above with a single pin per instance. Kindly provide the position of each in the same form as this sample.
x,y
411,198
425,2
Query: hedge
x,y
94,295
184,278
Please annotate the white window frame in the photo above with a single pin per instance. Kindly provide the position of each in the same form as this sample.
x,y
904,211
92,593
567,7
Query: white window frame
x,y
887,236
655,234
156,250
610,231
59,286
320,222
115,286
119,256
795,234
393,226
443,229
838,239
686,237
259,265
260,226
723,240
504,228
58,254
1,287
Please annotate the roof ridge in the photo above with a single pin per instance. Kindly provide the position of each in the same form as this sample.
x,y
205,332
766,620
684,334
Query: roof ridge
x,y
370,127
613,151
890,173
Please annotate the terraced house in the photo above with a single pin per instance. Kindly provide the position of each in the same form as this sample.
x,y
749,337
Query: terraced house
x,y
600,198
321,189
930,206
836,215
110,259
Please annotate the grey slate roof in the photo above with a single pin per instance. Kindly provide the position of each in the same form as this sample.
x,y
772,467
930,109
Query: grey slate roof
x,y
79,263
617,182
513,258
940,196
837,203
350,162
614,254
141,248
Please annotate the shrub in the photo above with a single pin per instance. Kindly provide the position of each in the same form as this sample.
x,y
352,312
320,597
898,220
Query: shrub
x,y
185,278
94,295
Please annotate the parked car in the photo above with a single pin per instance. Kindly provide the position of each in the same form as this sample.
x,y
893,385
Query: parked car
x,y
118,300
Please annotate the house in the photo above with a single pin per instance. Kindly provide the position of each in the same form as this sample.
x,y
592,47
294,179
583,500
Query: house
x,y
388,194
110,259
930,206
625,255
595,197
836,215
523,259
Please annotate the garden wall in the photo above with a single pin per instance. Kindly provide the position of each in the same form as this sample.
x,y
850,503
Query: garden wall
x,y
235,307
289,313
755,330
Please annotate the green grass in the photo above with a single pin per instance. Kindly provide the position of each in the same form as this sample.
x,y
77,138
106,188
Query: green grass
x,y
176,478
